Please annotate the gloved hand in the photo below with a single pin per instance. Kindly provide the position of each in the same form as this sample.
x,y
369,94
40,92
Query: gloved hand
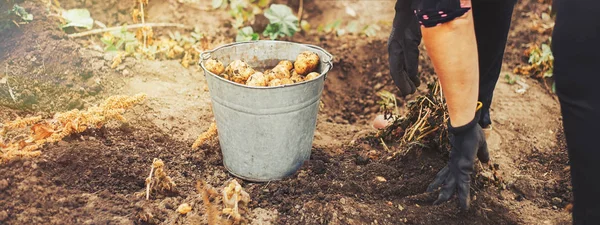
x,y
403,48
467,141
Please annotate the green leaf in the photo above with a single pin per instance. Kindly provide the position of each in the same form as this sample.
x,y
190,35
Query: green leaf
x,y
553,87
282,20
332,26
110,48
263,3
119,44
106,41
130,47
246,34
78,18
22,13
549,73
196,36
371,30
511,80
352,27
305,25
217,4
272,31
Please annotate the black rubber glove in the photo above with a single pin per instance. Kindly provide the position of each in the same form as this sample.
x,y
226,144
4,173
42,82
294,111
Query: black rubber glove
x,y
403,48
467,142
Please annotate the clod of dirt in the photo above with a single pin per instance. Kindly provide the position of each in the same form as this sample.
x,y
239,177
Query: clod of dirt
x,y
362,159
158,181
3,215
3,184
317,166
263,216
528,186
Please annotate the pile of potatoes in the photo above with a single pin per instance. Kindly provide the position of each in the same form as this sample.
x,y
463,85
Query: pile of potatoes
x,y
284,73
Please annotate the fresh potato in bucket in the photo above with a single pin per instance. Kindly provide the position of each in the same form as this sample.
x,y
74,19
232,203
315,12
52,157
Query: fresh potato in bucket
x,y
214,66
306,62
257,79
312,75
238,71
284,73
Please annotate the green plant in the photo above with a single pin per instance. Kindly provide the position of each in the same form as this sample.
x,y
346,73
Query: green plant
x,y
77,18
282,22
223,3
541,61
22,14
246,34
330,27
388,102
119,40
370,30
510,79
16,16
353,27
242,11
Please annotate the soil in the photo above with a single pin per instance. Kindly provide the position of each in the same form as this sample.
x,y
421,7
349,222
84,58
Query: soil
x,y
98,177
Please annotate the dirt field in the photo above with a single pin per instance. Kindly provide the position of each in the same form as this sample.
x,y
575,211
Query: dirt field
x,y
97,177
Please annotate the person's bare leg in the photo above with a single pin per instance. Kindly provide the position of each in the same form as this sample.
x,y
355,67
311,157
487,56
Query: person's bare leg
x,y
453,50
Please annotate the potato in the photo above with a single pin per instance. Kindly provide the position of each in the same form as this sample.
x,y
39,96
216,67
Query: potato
x,y
286,64
312,75
270,75
296,78
238,71
282,72
306,62
286,81
214,66
380,122
294,73
257,79
274,82
279,72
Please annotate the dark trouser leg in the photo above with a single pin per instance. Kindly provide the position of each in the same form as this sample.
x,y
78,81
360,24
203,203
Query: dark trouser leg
x,y
492,22
576,47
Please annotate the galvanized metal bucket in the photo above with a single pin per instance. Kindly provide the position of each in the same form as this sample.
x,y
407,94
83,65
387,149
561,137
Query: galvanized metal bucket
x,y
265,133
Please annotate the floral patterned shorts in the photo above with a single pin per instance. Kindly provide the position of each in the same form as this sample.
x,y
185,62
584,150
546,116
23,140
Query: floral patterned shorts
x,y
435,12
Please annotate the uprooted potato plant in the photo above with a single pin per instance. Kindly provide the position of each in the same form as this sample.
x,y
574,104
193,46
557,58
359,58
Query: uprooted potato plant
x,y
425,124
24,137
158,181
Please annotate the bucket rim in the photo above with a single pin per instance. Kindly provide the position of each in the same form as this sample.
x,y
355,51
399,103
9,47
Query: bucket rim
x,y
205,55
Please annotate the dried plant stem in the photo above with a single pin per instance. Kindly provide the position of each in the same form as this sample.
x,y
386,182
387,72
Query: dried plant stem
x,y
143,22
427,133
148,185
139,25
384,145
300,12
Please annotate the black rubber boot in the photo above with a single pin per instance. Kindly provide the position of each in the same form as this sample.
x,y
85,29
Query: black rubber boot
x,y
466,142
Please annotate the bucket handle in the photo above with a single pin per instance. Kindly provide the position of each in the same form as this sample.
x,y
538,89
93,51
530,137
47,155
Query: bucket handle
x,y
328,62
205,55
